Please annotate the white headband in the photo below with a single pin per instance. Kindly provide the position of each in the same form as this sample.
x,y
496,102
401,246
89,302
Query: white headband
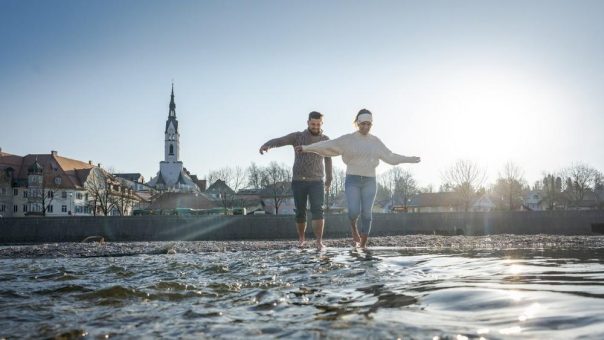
x,y
364,117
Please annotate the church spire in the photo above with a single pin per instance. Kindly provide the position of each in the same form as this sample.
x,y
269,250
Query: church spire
x,y
172,104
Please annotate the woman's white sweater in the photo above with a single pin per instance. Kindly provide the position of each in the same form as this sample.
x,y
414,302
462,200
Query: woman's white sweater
x,y
361,153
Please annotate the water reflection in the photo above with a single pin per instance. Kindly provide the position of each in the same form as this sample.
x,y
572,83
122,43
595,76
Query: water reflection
x,y
337,293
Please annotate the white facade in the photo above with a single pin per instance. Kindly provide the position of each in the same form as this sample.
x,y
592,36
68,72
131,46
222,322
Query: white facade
x,y
172,175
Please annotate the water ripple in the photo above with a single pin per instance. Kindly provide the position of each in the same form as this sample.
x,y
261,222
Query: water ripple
x,y
338,293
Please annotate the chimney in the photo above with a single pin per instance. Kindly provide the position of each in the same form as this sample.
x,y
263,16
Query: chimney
x,y
53,152
99,165
90,162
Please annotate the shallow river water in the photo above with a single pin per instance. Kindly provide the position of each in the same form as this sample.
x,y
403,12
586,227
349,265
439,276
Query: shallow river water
x,y
336,293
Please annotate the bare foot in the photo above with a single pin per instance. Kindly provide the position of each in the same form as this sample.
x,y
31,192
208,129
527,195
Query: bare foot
x,y
320,245
301,244
355,244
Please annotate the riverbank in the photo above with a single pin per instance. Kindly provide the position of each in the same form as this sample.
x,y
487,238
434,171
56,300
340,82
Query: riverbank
x,y
435,242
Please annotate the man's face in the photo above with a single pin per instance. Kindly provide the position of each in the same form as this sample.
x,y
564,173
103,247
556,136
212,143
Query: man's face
x,y
314,125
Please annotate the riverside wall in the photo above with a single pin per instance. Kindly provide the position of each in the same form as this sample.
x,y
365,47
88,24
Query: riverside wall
x,y
15,230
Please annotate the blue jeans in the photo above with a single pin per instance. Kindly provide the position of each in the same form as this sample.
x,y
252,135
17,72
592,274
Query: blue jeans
x,y
360,194
304,191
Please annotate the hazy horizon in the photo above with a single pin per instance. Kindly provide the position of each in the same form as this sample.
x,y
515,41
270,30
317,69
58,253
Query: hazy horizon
x,y
488,81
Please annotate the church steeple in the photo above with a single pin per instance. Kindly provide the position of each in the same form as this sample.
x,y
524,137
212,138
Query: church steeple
x,y
172,144
172,112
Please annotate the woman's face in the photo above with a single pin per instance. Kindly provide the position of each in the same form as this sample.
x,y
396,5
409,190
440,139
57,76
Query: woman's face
x,y
364,127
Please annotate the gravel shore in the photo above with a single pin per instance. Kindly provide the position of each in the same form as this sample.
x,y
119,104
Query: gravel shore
x,y
436,242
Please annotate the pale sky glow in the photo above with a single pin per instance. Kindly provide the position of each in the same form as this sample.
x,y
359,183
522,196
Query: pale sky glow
x,y
490,81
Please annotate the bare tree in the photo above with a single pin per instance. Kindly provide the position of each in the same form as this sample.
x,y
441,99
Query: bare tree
x,y
254,176
41,188
99,185
276,182
580,179
400,184
122,197
336,188
466,177
552,190
234,179
509,186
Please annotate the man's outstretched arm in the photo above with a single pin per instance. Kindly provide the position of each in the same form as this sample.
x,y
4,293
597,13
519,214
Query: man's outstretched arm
x,y
278,142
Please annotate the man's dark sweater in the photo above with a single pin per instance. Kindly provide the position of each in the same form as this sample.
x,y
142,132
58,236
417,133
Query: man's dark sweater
x,y
307,166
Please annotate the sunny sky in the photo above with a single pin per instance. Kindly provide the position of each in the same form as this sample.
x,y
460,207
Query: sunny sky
x,y
490,81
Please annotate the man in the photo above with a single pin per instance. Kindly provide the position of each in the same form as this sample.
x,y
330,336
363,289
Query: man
x,y
308,172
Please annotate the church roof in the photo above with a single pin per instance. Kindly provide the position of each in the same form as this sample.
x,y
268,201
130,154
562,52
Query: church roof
x,y
172,113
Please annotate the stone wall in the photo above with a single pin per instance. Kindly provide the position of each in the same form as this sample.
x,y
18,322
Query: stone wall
x,y
265,227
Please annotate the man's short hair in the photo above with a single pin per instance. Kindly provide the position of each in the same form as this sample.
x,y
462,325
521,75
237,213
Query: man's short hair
x,y
315,115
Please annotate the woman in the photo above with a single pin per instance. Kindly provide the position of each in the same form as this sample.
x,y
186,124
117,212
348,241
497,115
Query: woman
x,y
361,152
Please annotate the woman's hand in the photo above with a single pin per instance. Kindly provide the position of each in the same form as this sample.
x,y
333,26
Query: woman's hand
x,y
298,148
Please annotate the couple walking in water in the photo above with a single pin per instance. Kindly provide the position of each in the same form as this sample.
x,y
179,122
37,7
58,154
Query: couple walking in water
x,y
361,152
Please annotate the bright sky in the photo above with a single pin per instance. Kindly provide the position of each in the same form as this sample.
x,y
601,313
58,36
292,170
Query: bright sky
x,y
490,81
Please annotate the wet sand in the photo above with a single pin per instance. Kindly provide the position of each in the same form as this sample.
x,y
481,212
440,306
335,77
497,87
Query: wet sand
x,y
437,242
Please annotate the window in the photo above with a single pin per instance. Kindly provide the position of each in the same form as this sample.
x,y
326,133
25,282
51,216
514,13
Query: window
x,y
3,208
49,208
15,208
63,208
79,195
24,207
64,194
171,149
78,209
50,194
2,191
58,180
24,193
15,192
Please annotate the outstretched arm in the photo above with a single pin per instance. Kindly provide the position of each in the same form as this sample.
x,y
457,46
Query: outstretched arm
x,y
326,148
392,158
278,142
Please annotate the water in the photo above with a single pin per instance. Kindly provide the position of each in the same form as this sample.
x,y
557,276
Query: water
x,y
338,293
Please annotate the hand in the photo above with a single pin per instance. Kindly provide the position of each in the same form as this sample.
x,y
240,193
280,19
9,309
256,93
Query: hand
x,y
414,159
327,185
298,148
263,149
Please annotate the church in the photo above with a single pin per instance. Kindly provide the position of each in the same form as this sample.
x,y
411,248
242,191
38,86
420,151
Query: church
x,y
172,176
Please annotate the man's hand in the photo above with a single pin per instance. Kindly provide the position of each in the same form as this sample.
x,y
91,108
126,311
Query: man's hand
x,y
414,159
298,148
263,149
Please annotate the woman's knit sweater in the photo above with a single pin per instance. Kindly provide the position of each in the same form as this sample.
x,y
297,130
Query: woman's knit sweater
x,y
361,153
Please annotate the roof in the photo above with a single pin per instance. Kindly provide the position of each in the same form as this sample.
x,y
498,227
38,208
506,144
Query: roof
x,y
280,189
435,199
73,173
220,186
134,177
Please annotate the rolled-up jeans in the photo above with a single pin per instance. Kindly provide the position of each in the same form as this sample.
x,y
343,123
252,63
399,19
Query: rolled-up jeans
x,y
360,195
305,191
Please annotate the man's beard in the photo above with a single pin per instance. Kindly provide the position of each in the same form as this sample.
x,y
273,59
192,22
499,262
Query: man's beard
x,y
314,132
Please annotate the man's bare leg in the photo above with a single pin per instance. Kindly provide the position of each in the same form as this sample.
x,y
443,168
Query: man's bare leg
x,y
317,226
356,238
301,229
364,239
